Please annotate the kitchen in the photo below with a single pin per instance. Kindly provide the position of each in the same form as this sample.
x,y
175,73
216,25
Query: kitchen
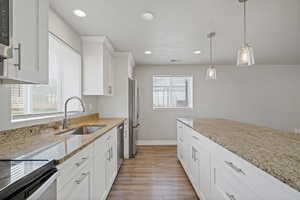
x,y
149,99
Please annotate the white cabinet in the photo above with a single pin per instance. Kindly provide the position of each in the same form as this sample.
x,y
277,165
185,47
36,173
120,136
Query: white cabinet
x,y
78,188
90,173
111,158
105,164
218,174
30,41
99,179
75,177
226,186
97,66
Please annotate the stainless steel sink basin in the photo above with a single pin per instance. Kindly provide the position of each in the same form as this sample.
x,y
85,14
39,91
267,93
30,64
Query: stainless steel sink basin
x,y
85,130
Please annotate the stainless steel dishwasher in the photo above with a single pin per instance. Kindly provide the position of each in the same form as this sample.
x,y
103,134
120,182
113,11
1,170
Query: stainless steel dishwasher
x,y
120,148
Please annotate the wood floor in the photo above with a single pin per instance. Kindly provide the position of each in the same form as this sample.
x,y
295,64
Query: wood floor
x,y
155,174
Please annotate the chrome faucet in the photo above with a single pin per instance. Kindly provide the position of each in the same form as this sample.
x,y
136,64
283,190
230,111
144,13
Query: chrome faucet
x,y
65,121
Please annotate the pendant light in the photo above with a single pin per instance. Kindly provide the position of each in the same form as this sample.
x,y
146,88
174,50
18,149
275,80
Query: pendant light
x,y
245,54
211,72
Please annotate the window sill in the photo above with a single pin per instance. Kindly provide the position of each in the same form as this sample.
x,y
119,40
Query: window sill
x,y
37,117
171,108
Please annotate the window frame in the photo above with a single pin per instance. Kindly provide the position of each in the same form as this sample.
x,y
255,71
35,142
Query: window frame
x,y
190,107
51,114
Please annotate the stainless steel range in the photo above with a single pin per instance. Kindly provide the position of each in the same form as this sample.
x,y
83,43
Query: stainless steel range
x,y
28,180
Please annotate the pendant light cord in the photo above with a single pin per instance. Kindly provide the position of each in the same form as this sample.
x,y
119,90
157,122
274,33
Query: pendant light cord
x,y
245,28
210,46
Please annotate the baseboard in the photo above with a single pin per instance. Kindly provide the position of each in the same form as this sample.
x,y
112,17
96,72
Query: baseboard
x,y
156,142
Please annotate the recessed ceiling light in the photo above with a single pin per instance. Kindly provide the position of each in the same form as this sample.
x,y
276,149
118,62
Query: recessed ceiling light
x,y
148,52
197,52
148,16
79,13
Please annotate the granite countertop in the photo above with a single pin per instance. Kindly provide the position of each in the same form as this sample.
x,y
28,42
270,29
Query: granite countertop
x,y
274,151
46,142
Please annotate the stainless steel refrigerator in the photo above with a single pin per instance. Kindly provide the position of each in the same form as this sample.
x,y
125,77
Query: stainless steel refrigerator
x,y
133,116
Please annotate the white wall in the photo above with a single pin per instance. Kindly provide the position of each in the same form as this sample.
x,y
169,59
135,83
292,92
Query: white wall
x,y
263,95
62,30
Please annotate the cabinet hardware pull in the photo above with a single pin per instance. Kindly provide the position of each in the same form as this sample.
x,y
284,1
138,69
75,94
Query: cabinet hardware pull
x,y
215,176
78,164
235,168
230,196
193,154
196,138
83,176
108,155
111,153
181,140
19,56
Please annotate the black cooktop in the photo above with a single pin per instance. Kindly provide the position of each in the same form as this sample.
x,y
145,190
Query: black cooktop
x,y
15,174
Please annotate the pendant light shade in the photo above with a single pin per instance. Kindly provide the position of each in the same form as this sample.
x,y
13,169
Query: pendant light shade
x,y
245,55
211,72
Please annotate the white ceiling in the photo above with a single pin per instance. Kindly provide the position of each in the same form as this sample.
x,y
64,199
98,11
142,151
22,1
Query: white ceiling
x,y
180,27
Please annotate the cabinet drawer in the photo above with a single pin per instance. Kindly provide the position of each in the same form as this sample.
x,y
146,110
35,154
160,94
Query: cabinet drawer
x,y
263,184
72,167
227,186
78,187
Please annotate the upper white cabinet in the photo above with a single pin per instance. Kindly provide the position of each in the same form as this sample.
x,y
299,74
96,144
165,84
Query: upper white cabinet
x,y
30,41
97,66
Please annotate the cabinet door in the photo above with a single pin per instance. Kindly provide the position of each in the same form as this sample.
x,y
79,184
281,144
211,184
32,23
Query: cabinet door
x,y
108,163
99,177
114,154
78,188
30,40
195,168
107,73
204,173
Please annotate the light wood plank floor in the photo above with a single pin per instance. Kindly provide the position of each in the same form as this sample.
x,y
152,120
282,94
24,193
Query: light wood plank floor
x,y
155,174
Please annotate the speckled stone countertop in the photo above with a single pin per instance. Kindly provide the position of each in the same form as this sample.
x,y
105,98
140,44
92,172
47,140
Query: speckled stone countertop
x,y
274,151
45,141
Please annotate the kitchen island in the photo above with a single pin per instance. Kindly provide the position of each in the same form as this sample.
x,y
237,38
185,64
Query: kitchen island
x,y
274,152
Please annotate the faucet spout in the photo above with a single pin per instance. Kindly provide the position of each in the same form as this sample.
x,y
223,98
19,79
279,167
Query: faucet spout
x,y
65,121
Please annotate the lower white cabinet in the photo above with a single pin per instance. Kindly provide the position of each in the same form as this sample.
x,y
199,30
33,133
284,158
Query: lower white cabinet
x,y
111,158
90,173
79,187
218,174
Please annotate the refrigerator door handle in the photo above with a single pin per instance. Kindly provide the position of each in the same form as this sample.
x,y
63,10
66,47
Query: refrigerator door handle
x,y
136,126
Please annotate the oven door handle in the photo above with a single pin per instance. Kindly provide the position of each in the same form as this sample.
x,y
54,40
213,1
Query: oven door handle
x,y
37,194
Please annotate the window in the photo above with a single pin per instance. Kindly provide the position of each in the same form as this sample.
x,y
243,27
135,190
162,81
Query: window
x,y
172,92
64,81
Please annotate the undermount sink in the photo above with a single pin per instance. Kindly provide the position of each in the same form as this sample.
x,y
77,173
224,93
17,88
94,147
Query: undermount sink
x,y
85,130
